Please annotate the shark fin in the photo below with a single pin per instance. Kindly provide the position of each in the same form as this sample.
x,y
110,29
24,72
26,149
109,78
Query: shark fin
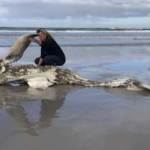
x,y
39,82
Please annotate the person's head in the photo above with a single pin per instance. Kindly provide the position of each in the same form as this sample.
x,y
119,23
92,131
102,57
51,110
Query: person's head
x,y
43,34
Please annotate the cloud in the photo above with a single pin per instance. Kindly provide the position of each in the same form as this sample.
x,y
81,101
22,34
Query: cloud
x,y
72,12
61,9
3,11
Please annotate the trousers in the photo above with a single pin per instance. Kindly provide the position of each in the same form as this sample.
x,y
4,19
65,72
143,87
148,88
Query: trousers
x,y
50,60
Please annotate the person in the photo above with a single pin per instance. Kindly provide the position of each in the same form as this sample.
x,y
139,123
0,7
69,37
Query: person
x,y
51,52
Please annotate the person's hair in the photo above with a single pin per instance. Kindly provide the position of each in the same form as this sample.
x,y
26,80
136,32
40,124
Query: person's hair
x,y
44,31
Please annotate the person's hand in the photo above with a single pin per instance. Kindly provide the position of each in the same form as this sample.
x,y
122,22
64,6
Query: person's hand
x,y
40,61
32,39
35,40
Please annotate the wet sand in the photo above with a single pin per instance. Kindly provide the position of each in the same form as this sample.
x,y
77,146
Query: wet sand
x,y
75,117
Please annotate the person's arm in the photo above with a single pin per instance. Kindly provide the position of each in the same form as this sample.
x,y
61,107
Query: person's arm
x,y
36,41
41,57
40,61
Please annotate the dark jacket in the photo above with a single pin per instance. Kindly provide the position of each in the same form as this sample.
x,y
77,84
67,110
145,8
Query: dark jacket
x,y
50,47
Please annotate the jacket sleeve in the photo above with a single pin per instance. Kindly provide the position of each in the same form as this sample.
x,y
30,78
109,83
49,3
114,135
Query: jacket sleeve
x,y
42,54
42,50
45,48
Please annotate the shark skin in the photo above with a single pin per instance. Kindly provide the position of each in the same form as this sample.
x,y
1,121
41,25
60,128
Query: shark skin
x,y
45,76
16,51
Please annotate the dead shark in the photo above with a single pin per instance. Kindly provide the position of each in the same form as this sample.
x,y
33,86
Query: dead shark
x,y
46,76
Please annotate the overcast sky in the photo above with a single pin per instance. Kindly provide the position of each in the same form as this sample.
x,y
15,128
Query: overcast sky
x,y
75,13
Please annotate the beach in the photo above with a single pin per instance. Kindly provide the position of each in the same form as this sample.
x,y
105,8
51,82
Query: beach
x,y
71,117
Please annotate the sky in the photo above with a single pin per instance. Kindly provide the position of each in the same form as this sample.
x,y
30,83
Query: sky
x,y
75,13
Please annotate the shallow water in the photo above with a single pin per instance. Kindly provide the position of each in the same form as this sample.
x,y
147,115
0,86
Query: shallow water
x,y
75,117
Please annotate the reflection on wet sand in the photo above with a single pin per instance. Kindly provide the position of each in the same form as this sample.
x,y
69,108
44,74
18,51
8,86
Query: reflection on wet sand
x,y
19,101
128,93
34,110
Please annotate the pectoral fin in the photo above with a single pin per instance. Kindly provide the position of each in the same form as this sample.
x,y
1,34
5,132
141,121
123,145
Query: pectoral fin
x,y
39,82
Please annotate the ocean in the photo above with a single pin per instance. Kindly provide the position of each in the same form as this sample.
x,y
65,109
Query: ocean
x,y
81,37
